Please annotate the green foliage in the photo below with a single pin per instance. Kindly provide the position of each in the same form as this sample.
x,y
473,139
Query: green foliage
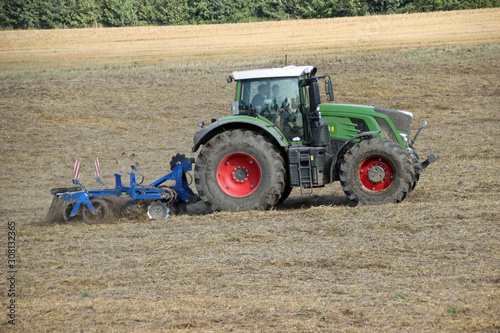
x,y
456,309
119,13
86,13
435,5
167,12
399,295
47,14
214,11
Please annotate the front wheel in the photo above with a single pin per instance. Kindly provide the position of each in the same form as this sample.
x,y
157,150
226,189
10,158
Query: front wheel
x,y
376,171
415,160
240,170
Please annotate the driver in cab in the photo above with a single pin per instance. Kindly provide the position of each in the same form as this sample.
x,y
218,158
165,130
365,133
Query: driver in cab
x,y
277,99
258,100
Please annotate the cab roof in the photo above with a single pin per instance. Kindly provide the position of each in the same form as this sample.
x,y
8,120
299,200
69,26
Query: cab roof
x,y
288,71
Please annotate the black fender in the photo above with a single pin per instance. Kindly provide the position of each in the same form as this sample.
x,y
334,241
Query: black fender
x,y
255,124
343,150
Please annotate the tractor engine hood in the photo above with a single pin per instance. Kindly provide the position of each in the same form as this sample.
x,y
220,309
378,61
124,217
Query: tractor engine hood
x,y
401,119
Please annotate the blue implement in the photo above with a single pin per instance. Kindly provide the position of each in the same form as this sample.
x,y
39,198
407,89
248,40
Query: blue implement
x,y
155,190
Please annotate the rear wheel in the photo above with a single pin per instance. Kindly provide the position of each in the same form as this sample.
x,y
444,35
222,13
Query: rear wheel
x,y
286,193
376,171
240,170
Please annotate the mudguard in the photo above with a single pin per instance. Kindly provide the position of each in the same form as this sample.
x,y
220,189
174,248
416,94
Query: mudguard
x,y
343,150
257,123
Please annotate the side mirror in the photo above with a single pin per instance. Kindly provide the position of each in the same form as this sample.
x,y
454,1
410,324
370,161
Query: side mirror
x,y
329,89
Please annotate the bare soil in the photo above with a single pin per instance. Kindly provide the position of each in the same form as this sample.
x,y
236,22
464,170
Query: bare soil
x,y
428,264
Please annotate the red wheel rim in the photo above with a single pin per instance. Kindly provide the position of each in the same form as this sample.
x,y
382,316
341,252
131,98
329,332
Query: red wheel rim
x,y
376,173
238,175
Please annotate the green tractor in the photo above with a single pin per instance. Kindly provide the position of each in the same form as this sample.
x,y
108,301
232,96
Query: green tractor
x,y
280,136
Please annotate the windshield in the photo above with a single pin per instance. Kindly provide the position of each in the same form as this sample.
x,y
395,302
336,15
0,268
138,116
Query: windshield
x,y
278,100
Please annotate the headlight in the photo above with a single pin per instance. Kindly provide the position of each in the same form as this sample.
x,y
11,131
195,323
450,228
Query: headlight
x,y
404,137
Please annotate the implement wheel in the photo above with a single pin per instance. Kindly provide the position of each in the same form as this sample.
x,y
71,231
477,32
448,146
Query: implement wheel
x,y
101,212
66,212
240,170
376,171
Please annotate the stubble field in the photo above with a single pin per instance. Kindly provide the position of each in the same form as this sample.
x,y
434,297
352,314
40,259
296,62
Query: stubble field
x,y
431,263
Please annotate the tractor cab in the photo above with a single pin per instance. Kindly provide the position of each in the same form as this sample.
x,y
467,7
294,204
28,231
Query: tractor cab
x,y
286,96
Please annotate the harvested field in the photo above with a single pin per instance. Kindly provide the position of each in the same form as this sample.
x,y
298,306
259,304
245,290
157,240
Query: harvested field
x,y
431,263
84,49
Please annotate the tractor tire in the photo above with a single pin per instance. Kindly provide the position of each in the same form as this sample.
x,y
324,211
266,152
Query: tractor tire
x,y
376,171
240,170
415,160
286,193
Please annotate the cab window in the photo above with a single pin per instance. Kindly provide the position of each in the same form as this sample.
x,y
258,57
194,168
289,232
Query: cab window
x,y
278,100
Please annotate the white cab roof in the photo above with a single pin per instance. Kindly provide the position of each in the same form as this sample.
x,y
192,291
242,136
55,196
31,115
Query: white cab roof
x,y
288,71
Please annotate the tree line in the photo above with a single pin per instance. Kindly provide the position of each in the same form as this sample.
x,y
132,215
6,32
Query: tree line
x,y
49,14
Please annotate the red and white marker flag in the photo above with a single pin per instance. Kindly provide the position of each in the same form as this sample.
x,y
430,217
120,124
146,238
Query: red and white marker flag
x,y
97,168
76,170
